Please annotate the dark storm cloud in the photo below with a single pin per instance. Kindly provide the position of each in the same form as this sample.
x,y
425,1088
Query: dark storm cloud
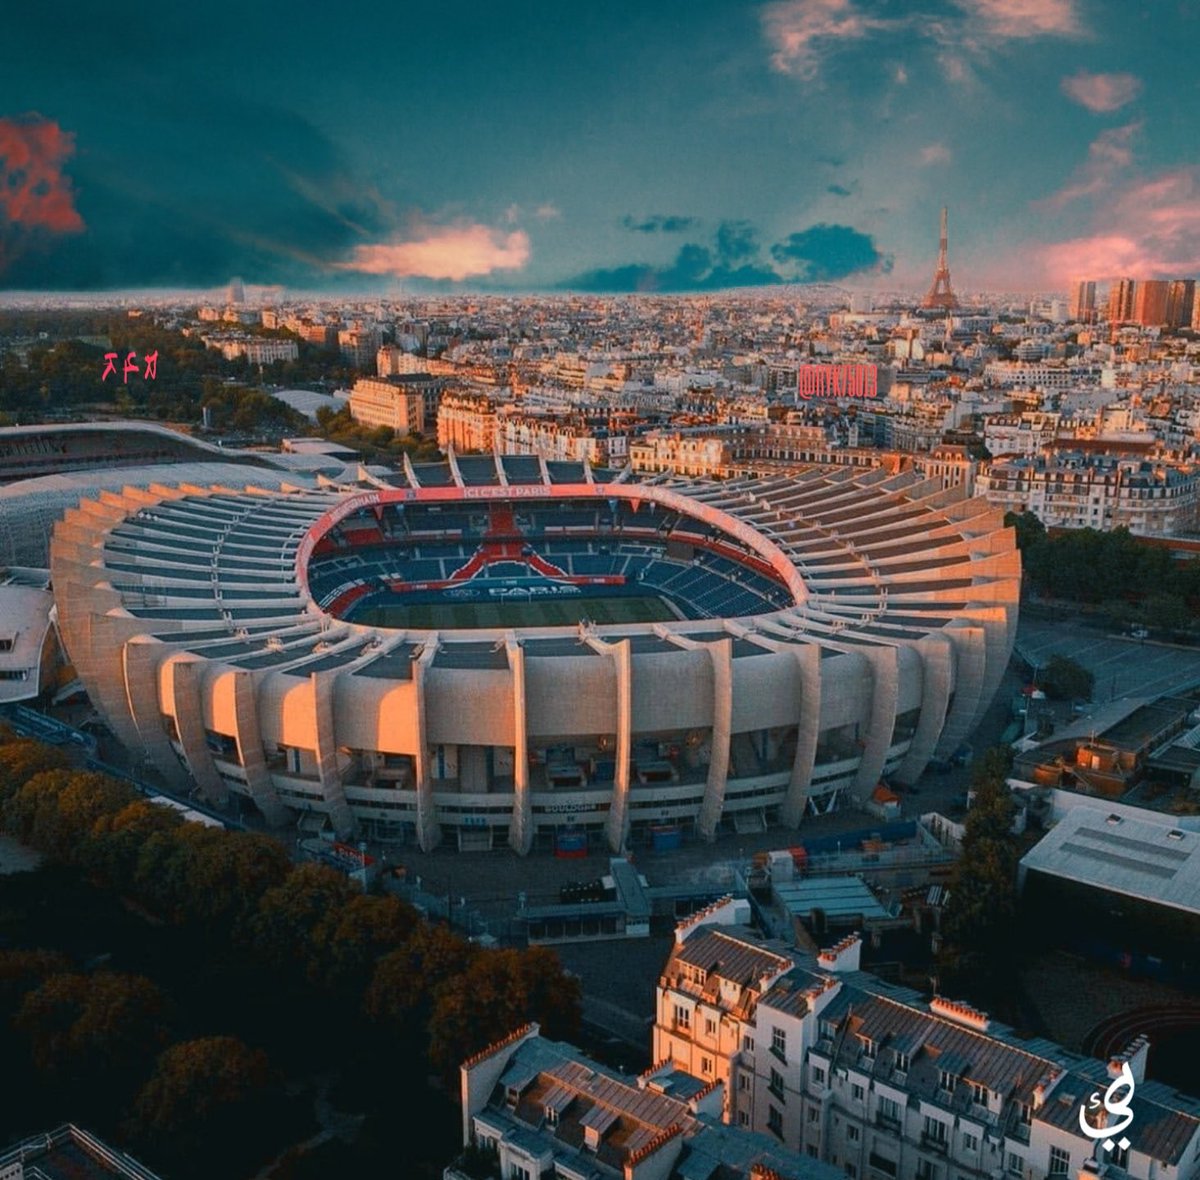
x,y
821,253
665,223
826,253
736,240
203,192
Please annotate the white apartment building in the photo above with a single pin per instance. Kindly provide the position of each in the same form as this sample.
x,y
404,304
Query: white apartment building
x,y
839,1066
257,350
1022,375
1028,433
375,401
1073,490
391,361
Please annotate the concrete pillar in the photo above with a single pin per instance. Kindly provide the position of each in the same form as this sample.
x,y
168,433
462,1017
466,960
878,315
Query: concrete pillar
x,y
711,807
936,656
520,828
250,750
189,720
617,824
885,676
142,659
328,770
808,715
429,832
970,661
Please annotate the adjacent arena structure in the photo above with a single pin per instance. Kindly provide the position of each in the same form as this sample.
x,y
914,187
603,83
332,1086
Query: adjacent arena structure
x,y
504,650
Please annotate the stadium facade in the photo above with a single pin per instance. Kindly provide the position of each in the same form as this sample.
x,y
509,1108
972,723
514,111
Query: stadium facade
x,y
426,661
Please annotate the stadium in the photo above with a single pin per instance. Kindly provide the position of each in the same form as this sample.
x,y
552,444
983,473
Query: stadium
x,y
508,651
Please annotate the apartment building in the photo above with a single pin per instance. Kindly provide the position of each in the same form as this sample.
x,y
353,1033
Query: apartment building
x,y
536,1109
873,1079
466,422
378,401
1076,490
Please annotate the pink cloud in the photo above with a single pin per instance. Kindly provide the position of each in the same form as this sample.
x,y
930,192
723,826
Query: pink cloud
x,y
1109,154
800,31
35,195
453,252
1024,19
1101,92
1150,230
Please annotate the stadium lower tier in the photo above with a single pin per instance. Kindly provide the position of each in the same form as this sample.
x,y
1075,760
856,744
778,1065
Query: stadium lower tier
x,y
213,630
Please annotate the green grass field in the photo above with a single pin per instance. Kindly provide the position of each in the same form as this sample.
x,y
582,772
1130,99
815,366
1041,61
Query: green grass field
x,y
561,612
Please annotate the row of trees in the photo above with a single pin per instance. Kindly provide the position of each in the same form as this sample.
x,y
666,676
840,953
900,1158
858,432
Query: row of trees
x,y
1131,582
980,922
253,951
375,442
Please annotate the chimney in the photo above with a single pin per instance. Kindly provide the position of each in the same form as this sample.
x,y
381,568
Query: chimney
x,y
960,1013
845,956
1134,1054
1045,1084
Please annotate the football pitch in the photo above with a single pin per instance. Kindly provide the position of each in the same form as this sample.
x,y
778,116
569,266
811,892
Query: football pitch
x,y
559,612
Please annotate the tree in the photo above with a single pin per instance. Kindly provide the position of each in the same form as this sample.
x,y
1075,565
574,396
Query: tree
x,y
207,1100
93,1030
353,937
499,991
285,926
1029,527
1065,679
21,759
403,982
979,920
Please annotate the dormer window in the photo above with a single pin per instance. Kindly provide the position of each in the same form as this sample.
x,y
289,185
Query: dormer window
x,y
551,1117
902,1062
868,1048
828,1030
979,1094
947,1080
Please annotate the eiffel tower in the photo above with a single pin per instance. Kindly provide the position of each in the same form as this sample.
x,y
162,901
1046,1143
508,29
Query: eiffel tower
x,y
940,295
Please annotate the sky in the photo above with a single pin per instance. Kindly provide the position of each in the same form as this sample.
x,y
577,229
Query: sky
x,y
629,145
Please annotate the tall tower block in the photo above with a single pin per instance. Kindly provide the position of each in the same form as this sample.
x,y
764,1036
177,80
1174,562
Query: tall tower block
x,y
940,294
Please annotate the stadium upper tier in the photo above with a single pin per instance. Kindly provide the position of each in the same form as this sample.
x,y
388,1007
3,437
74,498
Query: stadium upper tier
x,y
823,628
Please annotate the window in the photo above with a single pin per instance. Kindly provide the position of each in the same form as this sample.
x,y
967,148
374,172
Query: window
x,y
935,1129
868,1048
747,1044
812,1150
947,1080
902,1062
1119,1157
518,1172
683,1017
743,1081
882,1164
889,1109
852,1133
779,1043
14,674
851,1171
743,1119
776,1084
970,1142
979,1094
857,1092
551,1116
1016,1165
710,1027
814,1114
1060,1161
774,1121
706,1066
927,1170
818,1075
6,644
1026,1113
828,1029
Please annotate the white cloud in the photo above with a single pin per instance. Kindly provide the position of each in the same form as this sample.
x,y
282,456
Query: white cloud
x,y
547,212
1101,92
935,153
455,252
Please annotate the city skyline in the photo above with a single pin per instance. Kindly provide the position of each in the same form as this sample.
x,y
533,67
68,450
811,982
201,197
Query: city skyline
x,y
687,148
